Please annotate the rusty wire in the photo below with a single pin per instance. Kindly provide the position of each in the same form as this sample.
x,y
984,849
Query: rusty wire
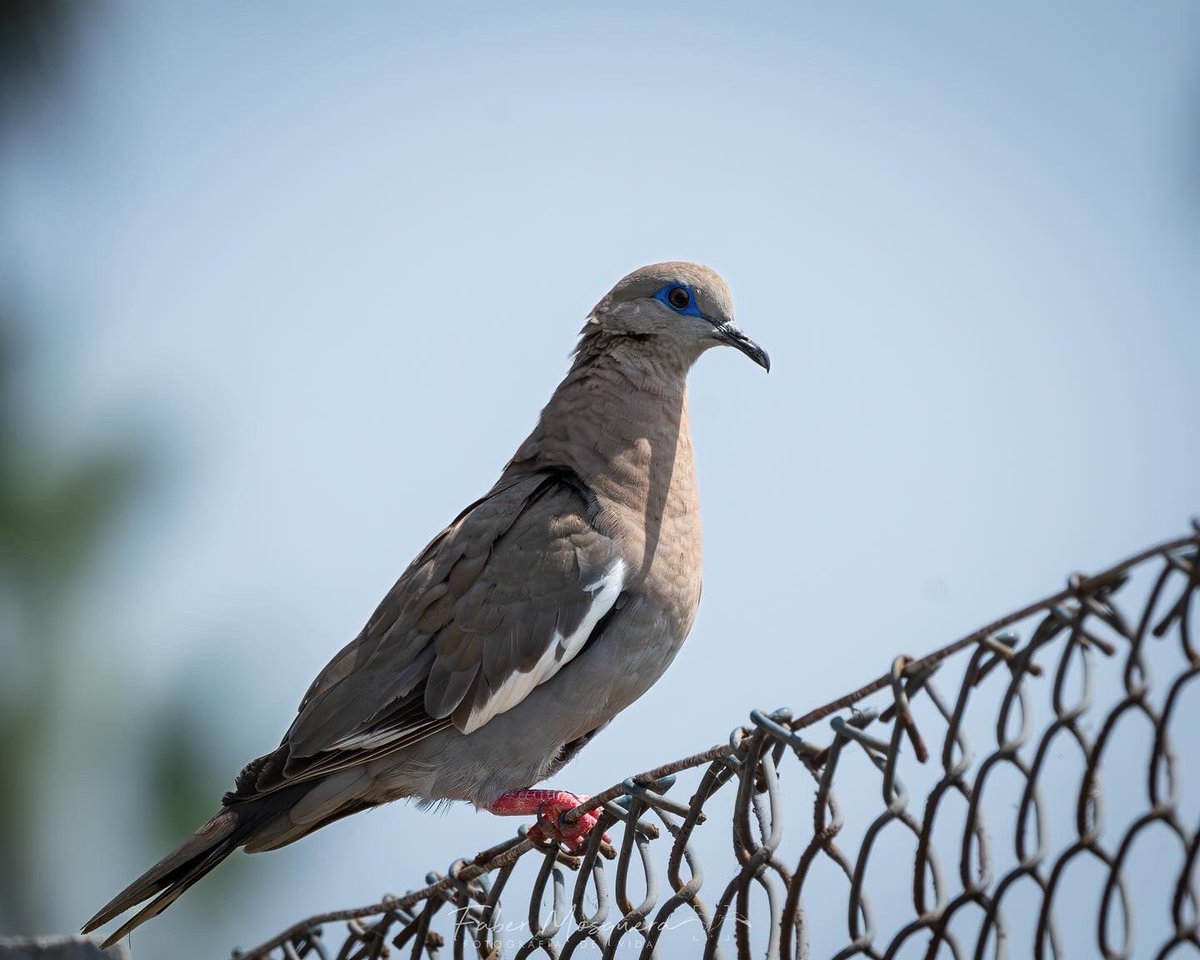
x,y
1051,691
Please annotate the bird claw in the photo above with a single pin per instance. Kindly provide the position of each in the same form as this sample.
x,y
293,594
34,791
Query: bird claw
x,y
551,827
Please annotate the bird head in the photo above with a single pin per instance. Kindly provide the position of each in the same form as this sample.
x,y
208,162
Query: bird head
x,y
683,307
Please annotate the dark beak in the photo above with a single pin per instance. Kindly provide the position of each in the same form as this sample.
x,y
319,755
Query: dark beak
x,y
728,333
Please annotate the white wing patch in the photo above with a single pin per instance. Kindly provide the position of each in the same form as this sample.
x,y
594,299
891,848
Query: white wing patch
x,y
604,594
559,653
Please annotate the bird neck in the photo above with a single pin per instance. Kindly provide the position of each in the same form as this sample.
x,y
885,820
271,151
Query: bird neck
x,y
618,420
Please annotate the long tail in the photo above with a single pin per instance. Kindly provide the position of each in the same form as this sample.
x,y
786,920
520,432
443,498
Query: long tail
x,y
254,823
177,871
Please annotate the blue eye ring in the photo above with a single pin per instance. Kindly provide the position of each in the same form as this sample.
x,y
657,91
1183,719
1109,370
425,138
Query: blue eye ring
x,y
680,298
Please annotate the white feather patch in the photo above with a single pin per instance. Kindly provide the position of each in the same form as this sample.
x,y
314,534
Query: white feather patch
x,y
559,652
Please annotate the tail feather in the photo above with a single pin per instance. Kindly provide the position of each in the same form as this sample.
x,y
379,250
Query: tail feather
x,y
177,871
173,892
238,823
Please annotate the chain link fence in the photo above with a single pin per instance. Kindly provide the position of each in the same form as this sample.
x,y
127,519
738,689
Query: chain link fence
x,y
1031,790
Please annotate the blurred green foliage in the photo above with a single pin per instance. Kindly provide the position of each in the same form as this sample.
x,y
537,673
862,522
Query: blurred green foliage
x,y
54,517
59,514
60,511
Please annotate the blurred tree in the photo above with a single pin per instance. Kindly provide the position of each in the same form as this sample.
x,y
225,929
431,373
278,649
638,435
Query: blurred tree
x,y
33,34
53,519
58,513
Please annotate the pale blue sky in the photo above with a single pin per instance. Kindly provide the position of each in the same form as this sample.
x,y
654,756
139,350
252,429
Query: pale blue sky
x,y
334,259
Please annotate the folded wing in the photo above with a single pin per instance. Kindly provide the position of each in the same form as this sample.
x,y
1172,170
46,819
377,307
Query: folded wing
x,y
497,604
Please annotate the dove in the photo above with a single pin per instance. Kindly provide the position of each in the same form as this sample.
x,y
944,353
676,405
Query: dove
x,y
543,610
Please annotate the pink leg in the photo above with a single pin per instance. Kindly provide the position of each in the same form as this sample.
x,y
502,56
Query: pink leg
x,y
549,806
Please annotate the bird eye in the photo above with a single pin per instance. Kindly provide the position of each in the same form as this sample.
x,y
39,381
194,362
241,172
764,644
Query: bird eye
x,y
679,297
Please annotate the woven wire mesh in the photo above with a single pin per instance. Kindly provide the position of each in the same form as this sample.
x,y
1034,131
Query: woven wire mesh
x,y
1027,791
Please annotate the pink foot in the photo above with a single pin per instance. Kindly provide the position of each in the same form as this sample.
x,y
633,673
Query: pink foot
x,y
549,806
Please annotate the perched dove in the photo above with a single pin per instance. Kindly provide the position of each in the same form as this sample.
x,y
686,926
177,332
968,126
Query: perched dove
x,y
547,606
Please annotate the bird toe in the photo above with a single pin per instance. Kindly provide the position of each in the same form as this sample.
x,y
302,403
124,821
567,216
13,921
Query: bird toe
x,y
573,836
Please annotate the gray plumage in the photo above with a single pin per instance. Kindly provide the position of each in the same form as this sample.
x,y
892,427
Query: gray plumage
x,y
547,607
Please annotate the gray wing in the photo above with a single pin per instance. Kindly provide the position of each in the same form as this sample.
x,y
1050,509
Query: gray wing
x,y
496,604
